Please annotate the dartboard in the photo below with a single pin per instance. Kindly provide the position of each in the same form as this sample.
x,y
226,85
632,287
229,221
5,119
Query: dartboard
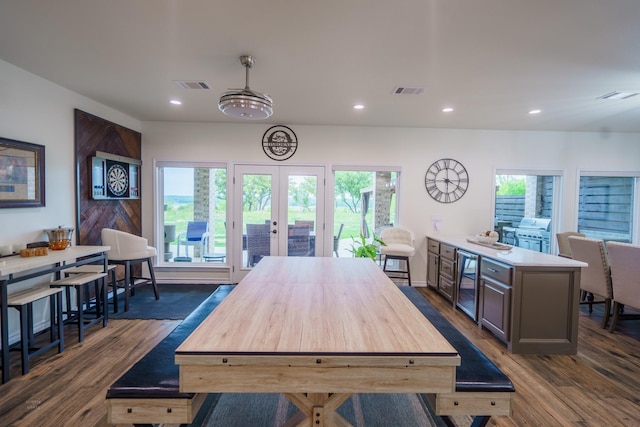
x,y
117,180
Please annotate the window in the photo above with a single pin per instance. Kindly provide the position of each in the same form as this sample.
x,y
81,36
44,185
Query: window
x,y
605,206
531,196
193,212
365,202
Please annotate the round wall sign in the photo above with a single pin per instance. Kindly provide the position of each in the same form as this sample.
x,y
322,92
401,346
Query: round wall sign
x,y
279,143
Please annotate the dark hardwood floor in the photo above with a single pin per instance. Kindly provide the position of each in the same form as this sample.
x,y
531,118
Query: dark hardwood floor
x,y
600,386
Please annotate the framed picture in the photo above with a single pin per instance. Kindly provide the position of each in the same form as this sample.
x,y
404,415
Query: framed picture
x,y
21,174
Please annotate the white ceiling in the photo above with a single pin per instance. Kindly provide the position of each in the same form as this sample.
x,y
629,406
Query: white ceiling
x,y
492,60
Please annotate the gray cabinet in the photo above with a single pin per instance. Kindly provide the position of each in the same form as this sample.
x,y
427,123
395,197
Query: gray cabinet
x,y
441,268
433,263
495,297
527,299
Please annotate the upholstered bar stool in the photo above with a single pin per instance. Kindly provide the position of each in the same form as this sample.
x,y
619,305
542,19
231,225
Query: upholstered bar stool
x,y
128,250
564,249
596,278
398,245
23,302
625,277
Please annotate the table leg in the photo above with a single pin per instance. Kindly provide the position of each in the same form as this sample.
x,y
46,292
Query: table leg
x,y
4,319
320,409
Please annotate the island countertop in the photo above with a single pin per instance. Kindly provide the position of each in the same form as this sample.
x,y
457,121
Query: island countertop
x,y
517,257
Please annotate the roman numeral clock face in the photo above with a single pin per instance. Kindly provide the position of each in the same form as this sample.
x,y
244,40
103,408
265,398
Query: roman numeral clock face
x,y
446,180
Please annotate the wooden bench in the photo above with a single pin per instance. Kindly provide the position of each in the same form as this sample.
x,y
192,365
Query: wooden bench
x,y
23,302
99,268
482,389
149,392
98,308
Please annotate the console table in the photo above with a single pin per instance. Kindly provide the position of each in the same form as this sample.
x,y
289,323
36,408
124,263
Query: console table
x,y
16,269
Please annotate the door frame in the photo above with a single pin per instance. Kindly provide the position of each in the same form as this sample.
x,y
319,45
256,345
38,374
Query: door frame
x,y
279,208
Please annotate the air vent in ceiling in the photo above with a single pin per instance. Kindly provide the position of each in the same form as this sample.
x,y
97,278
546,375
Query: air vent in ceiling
x,y
192,84
618,95
408,90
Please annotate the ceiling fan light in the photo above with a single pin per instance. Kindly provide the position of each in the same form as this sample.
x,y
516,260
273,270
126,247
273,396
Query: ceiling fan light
x,y
246,103
246,106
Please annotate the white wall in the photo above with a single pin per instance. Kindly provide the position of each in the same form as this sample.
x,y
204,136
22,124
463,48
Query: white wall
x,y
481,152
35,110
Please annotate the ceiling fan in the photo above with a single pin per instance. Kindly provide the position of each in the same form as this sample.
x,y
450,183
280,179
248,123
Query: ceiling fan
x,y
246,103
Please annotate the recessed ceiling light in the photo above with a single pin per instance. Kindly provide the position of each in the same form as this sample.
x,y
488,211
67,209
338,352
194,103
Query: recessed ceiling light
x,y
358,107
447,110
175,102
535,111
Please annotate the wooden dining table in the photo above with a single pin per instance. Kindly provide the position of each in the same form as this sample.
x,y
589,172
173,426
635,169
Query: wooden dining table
x,y
316,329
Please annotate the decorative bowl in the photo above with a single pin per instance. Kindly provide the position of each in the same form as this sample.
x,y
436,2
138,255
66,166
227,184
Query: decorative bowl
x,y
59,238
487,240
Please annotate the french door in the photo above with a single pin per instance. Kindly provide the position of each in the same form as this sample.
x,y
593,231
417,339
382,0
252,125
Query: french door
x,y
278,211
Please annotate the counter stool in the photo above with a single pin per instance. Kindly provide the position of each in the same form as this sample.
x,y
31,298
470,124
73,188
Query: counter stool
x,y
128,250
398,245
99,307
23,302
99,268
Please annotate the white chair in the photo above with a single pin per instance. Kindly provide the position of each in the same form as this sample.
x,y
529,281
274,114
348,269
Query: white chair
x,y
596,278
625,278
128,250
564,250
398,245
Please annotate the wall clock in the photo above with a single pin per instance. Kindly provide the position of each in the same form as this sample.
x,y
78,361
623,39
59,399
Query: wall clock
x,y
446,180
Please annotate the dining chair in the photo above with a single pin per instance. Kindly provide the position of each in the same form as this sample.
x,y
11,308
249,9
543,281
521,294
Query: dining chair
x,y
336,240
258,243
196,236
596,278
130,250
309,224
625,278
299,240
564,250
398,245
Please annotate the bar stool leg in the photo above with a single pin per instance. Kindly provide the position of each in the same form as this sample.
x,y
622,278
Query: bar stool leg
x,y
80,299
52,316
105,302
60,323
153,279
127,284
24,344
114,284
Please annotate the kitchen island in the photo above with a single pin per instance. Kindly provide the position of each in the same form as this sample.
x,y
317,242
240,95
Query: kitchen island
x,y
528,299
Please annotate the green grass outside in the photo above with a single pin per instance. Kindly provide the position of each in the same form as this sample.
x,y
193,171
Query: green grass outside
x,y
180,215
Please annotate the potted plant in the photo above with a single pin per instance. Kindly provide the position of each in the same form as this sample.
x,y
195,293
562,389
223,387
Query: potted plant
x,y
360,248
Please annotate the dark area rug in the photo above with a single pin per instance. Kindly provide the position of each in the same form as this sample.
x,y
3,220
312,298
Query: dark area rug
x,y
361,410
176,302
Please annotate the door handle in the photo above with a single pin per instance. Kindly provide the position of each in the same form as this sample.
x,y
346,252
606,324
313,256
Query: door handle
x,y
274,231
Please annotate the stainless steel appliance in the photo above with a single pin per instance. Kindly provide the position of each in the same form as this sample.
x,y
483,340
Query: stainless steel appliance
x,y
467,283
534,234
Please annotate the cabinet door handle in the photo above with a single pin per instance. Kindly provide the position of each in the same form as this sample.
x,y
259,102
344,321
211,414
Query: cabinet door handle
x,y
493,270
